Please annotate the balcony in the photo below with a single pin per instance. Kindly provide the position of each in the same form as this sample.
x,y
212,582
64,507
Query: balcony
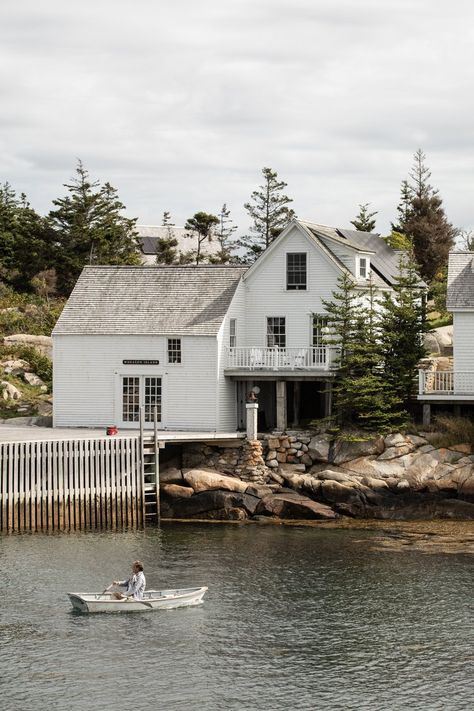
x,y
445,383
320,358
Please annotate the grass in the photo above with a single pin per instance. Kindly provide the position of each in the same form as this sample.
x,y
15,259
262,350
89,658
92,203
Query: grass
x,y
452,430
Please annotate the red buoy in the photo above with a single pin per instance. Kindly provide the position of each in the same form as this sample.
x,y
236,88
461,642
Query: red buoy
x,y
112,430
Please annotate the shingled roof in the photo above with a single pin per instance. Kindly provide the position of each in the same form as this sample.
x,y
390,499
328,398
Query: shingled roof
x,y
149,300
460,281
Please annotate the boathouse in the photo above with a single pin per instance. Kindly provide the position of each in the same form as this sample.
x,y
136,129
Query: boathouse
x,y
193,341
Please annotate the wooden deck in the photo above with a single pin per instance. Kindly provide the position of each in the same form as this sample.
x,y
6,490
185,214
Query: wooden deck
x,y
10,433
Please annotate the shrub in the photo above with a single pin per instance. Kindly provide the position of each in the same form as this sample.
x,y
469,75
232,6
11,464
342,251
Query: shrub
x,y
453,430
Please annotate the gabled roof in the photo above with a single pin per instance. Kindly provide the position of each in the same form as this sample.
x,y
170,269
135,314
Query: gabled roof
x,y
150,234
150,300
460,280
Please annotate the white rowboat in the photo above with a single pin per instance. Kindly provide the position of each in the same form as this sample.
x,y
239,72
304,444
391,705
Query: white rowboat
x,y
152,600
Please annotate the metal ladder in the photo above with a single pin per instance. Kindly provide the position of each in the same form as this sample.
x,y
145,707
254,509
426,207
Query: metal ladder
x,y
150,471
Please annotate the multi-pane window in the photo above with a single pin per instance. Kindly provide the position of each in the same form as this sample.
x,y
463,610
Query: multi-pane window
x,y
174,350
276,332
232,333
363,268
296,277
152,399
319,324
131,399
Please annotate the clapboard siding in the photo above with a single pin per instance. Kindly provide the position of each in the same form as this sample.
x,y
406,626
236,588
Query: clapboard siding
x,y
226,388
463,340
87,372
266,293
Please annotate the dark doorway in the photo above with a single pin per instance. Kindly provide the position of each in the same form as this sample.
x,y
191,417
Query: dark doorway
x,y
305,402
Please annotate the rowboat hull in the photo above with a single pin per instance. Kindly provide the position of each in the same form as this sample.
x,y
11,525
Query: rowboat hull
x,y
152,600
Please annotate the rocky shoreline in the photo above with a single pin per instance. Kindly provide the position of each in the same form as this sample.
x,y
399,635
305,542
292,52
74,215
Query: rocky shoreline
x,y
307,476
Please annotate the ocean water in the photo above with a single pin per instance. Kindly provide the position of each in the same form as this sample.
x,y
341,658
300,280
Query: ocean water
x,y
295,618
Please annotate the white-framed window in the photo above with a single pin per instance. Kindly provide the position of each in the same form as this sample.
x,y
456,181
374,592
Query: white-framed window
x,y
276,332
296,271
232,333
318,329
141,390
363,267
174,350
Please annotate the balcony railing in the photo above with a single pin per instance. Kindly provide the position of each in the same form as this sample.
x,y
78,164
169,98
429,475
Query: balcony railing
x,y
318,358
446,382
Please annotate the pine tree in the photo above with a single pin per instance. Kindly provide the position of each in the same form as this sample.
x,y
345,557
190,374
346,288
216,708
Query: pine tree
x,y
202,224
223,236
364,221
422,219
91,228
269,211
167,247
402,329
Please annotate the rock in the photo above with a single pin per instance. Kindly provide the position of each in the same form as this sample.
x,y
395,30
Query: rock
x,y
171,475
273,443
455,508
272,463
318,448
294,506
330,475
271,454
336,492
370,466
176,492
417,441
207,501
403,485
306,460
394,452
33,379
9,391
285,443
346,450
374,484
15,367
42,344
259,490
394,440
208,479
463,448
281,457
292,468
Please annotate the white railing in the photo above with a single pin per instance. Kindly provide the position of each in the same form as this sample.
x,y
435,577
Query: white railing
x,y
446,382
253,358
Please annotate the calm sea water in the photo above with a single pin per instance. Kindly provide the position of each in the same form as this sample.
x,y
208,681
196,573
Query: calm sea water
x,y
294,619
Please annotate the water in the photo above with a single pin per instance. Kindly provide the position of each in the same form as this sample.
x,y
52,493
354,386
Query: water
x,y
295,618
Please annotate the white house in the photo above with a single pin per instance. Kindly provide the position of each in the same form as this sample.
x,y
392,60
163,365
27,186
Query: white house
x,y
455,386
193,341
187,241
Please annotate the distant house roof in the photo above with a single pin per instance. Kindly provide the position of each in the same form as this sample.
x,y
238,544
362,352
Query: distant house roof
x,y
175,300
150,234
384,260
460,281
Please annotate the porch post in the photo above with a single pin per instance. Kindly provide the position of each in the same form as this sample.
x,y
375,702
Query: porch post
x,y
296,403
281,405
328,400
426,413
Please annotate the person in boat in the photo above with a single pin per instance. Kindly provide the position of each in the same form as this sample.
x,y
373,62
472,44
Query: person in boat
x,y
135,584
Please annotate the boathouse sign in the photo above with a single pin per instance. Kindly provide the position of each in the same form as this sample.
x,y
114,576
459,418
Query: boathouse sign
x,y
141,362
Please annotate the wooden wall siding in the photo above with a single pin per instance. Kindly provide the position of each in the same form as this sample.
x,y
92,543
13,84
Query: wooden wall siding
x,y
71,485
463,340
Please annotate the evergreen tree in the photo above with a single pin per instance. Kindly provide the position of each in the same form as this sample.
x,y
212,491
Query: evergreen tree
x,y
402,329
403,209
423,221
202,224
223,235
398,241
364,221
362,396
91,228
167,247
268,208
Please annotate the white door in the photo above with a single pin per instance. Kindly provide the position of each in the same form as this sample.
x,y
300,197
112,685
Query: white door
x,y
140,391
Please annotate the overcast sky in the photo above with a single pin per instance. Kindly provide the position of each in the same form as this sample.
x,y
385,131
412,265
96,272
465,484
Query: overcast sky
x,y
180,104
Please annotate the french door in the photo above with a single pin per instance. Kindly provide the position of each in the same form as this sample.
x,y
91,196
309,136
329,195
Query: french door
x,y
141,391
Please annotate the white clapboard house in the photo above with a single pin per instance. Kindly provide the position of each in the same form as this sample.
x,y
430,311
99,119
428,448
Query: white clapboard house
x,y
455,386
187,241
193,341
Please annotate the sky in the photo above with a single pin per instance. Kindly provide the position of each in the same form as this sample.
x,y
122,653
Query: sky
x,y
180,104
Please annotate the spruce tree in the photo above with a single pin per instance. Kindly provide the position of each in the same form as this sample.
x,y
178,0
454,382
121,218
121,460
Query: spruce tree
x,y
268,208
223,235
422,219
167,246
91,228
203,225
402,329
364,221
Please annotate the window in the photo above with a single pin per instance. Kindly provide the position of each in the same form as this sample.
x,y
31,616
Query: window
x,y
141,391
152,399
276,332
363,267
174,350
296,271
319,326
232,333
131,399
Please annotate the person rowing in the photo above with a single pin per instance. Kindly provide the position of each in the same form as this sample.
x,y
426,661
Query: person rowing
x,y
135,584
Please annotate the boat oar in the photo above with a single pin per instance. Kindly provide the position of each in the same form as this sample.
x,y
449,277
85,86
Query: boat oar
x,y
107,589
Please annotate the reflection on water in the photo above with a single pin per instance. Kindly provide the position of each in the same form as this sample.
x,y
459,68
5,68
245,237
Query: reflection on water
x,y
295,618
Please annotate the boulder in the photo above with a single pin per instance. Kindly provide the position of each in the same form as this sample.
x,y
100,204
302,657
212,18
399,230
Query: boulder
x,y
171,475
294,506
318,448
206,501
455,509
336,492
394,440
398,451
374,484
209,479
464,448
9,391
288,467
417,441
258,490
273,443
42,344
33,379
15,367
329,474
346,450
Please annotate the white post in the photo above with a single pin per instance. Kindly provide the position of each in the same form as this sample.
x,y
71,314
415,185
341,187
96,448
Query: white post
x,y
281,405
252,421
421,382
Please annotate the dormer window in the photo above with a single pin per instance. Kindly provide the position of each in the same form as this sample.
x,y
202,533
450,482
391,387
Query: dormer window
x,y
296,277
363,267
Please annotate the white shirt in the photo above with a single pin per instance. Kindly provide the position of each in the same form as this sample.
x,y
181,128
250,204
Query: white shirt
x,y
135,586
